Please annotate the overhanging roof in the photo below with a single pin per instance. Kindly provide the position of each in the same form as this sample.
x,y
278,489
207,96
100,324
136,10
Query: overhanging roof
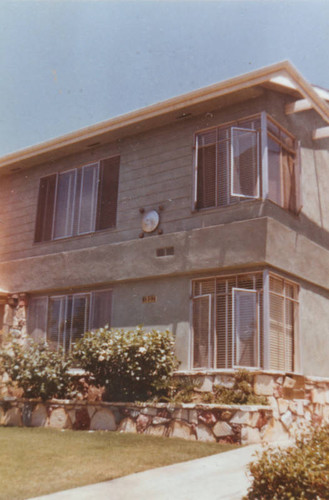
x,y
281,76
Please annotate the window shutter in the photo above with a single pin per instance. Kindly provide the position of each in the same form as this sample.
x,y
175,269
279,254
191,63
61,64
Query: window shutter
x,y
108,193
245,327
206,175
244,163
202,348
45,210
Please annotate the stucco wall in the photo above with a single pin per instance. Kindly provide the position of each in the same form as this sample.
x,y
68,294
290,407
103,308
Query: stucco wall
x,y
314,321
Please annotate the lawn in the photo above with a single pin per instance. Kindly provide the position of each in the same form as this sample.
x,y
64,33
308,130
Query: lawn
x,y
35,461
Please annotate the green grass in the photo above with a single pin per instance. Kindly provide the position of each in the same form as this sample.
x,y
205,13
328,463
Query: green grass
x,y
35,461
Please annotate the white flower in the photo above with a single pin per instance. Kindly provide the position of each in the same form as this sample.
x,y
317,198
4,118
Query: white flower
x,y
142,350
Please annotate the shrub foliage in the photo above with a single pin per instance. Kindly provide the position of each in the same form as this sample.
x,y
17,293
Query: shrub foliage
x,y
37,370
131,365
298,472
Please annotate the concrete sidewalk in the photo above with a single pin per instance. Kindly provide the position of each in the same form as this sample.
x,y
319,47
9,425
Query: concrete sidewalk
x,y
221,476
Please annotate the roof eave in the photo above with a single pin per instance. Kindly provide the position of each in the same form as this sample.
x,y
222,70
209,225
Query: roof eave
x,y
257,77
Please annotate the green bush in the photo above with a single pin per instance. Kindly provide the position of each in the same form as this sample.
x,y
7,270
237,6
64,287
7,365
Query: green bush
x,y
298,472
37,370
242,392
131,365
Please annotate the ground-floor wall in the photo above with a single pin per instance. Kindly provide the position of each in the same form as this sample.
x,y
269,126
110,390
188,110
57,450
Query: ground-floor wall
x,y
165,303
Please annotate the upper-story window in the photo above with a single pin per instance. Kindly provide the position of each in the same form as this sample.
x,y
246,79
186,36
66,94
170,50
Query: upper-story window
x,y
247,159
78,201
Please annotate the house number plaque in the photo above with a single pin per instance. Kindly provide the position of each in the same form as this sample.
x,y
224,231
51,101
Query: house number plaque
x,y
149,299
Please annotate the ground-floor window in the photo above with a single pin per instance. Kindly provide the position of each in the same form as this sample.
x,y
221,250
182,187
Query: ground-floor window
x,y
62,319
233,328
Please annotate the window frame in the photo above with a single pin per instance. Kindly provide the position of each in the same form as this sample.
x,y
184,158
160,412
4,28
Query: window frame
x,y
41,233
89,313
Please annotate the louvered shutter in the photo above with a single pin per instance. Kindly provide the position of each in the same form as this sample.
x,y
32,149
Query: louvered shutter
x,y
45,210
245,328
244,163
101,309
202,344
108,193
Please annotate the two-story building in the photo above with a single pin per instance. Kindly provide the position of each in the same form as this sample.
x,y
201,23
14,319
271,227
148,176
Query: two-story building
x,y
207,214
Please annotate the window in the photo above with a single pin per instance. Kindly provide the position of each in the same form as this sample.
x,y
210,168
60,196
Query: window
x,y
62,319
229,328
78,201
228,165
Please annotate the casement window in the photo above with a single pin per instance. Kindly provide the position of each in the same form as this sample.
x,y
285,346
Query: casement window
x,y
78,201
230,328
62,319
244,160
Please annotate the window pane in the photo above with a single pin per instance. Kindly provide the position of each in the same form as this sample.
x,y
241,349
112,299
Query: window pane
x,y
37,318
245,163
56,325
202,347
88,193
101,309
78,320
246,328
65,204
274,172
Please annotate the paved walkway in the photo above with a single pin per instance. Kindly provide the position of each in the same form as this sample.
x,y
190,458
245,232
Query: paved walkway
x,y
221,476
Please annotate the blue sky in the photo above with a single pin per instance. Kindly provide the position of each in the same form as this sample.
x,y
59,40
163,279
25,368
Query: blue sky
x,y
68,64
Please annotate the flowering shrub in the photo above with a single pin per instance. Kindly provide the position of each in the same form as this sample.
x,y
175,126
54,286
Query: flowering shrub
x,y
132,364
300,471
37,370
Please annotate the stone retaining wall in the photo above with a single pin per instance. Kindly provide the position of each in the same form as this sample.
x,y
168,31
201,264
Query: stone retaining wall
x,y
221,423
292,401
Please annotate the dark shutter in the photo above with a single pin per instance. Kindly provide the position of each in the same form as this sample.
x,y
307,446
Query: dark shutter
x,y
108,193
45,211
206,189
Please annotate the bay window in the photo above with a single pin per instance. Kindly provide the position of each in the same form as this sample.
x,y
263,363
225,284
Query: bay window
x,y
247,159
245,320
